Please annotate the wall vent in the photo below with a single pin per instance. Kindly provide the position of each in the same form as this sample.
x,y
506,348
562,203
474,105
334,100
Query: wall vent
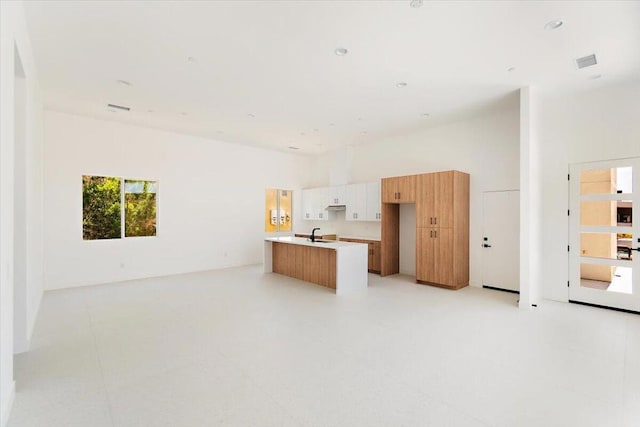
x,y
586,61
119,107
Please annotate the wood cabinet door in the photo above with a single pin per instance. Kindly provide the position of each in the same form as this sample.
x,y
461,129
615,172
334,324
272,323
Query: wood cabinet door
x,y
316,265
425,200
443,199
443,256
389,190
374,263
406,189
425,246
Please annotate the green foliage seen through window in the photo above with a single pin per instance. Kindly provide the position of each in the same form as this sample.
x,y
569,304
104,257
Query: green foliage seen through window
x,y
102,212
140,208
101,215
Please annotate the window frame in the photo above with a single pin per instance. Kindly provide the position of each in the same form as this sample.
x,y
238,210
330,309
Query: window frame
x,y
123,179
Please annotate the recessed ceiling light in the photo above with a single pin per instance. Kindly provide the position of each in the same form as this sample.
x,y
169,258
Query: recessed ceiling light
x,y
291,147
251,115
364,132
401,84
340,51
425,114
510,69
192,59
183,114
149,111
123,83
552,25
219,131
595,77
302,133
416,4
331,124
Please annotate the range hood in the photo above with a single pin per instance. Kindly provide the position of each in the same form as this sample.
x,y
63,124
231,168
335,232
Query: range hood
x,y
336,208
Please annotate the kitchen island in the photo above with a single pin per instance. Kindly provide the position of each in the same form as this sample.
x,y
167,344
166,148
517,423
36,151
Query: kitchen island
x,y
341,266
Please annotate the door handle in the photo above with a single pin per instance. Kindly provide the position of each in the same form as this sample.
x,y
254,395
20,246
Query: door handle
x,y
486,246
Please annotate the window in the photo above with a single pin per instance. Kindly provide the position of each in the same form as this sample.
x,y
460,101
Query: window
x,y
102,213
101,216
278,213
140,208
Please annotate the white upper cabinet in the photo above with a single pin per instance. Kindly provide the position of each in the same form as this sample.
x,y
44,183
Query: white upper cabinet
x,y
337,195
356,197
362,201
314,204
374,207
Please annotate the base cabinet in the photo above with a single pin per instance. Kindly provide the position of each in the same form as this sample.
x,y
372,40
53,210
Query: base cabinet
x,y
374,252
315,265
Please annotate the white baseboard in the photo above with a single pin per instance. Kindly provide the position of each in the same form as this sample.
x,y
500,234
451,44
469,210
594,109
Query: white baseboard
x,y
7,404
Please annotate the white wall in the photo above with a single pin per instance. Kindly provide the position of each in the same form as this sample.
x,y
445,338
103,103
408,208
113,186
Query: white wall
x,y
14,39
210,202
408,239
486,146
601,124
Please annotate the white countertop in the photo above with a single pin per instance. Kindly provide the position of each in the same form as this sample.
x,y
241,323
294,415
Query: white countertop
x,y
375,239
333,244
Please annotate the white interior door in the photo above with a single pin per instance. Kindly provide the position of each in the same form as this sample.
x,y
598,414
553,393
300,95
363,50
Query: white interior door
x,y
604,233
501,239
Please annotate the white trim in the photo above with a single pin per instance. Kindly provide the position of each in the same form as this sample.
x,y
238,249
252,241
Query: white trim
x,y
7,404
606,197
604,229
605,261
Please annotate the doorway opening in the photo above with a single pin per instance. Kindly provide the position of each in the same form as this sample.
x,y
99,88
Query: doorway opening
x,y
604,234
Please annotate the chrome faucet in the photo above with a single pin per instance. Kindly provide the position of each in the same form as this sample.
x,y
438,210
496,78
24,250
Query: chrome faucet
x,y
313,234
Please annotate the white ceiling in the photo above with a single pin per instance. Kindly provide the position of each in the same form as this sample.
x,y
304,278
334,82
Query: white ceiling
x,y
265,72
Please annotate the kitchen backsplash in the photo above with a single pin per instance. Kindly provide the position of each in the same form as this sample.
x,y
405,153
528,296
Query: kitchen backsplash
x,y
338,225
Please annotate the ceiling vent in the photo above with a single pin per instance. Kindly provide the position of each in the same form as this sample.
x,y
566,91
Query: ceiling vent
x,y
119,107
586,61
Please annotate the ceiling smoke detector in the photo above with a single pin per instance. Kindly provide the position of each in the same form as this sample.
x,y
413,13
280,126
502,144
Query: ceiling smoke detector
x,y
586,61
340,51
401,84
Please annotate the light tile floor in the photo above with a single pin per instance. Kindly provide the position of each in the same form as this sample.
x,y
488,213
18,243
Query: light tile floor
x,y
238,347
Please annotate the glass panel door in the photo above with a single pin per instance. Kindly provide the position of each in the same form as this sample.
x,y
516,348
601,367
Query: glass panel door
x,y
604,256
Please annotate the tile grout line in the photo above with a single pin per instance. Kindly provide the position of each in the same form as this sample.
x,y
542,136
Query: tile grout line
x,y
95,345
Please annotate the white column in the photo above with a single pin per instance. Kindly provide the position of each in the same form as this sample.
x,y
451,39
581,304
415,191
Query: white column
x,y
530,203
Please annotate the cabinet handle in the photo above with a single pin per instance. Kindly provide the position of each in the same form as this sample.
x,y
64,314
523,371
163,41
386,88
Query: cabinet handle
x,y
398,195
430,220
431,233
435,220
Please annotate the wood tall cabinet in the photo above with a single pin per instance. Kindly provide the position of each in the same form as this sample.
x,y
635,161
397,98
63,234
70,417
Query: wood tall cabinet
x,y
442,230
399,189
